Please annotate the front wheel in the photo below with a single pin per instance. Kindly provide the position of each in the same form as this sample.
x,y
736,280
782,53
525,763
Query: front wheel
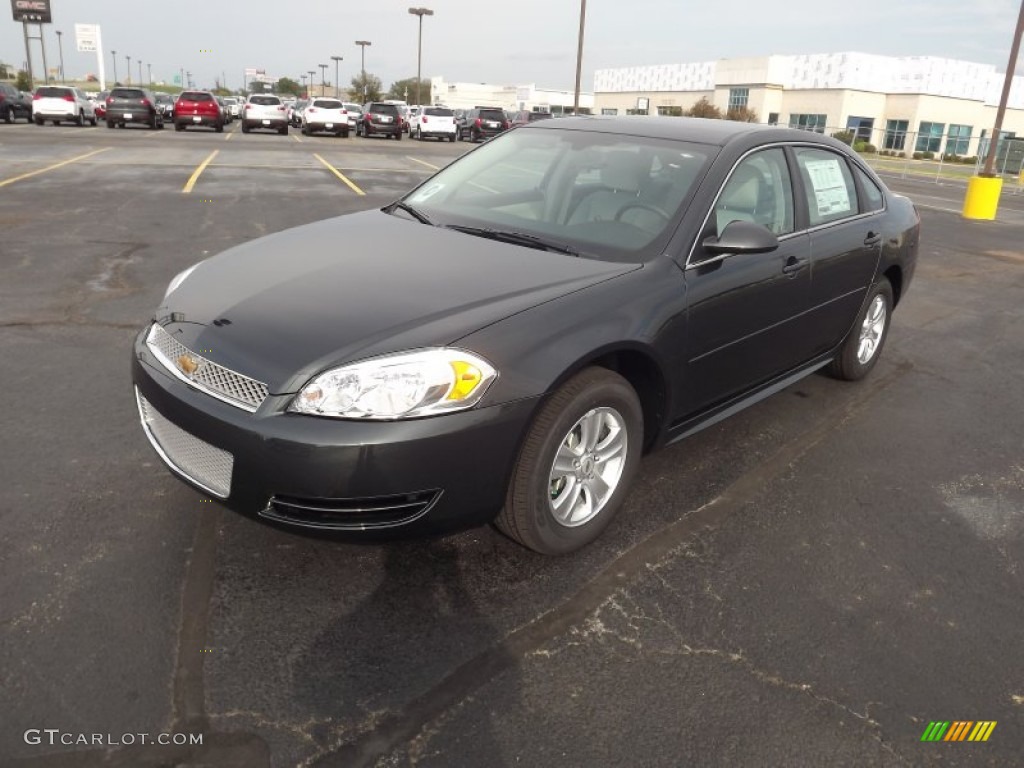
x,y
863,346
575,465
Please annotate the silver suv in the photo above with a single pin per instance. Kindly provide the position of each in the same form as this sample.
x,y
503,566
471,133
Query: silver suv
x,y
59,103
264,110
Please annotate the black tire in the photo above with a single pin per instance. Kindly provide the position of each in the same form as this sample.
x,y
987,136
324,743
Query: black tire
x,y
160,125
219,127
245,127
80,120
55,122
847,364
450,139
284,130
110,124
398,136
179,126
39,121
527,516
93,121
305,130
9,115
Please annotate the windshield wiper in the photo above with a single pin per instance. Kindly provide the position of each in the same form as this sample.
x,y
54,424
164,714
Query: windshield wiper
x,y
421,217
518,238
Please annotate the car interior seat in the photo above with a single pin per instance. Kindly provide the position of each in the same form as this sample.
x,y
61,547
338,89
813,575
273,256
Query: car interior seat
x,y
740,198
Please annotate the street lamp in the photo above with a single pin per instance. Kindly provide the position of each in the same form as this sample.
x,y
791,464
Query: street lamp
x,y
579,59
60,45
303,79
113,56
129,68
312,82
336,59
362,45
421,12
149,69
140,71
323,85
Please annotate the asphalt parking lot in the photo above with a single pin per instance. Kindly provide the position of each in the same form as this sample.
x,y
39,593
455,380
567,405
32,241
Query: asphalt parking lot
x,y
811,582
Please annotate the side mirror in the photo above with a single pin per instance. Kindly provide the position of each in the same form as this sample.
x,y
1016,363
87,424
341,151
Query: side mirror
x,y
741,237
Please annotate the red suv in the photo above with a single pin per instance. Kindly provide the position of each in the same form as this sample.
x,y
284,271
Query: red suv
x,y
198,108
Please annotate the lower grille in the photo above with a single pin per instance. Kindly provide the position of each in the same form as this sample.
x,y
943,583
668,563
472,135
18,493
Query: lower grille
x,y
194,459
351,514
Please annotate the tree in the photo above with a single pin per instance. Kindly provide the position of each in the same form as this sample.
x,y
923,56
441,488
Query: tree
x,y
23,83
704,108
287,85
741,115
405,90
5,71
259,86
369,90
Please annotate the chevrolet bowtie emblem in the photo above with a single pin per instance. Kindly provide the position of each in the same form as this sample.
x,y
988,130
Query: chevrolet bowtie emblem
x,y
188,364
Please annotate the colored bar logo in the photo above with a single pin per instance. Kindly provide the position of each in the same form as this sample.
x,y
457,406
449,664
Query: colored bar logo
x,y
958,730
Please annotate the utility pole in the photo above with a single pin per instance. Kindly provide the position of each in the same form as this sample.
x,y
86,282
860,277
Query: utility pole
x,y
312,82
149,69
362,45
421,12
129,68
113,57
140,71
323,84
1005,97
60,46
579,58
337,82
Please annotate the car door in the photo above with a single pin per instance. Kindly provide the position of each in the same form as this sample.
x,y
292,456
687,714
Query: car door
x,y
745,316
845,241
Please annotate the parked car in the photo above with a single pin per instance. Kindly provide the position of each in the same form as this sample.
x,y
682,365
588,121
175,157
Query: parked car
x,y
222,102
100,105
403,111
294,112
133,105
481,123
645,279
380,119
234,107
525,117
433,122
355,113
198,108
164,103
60,103
264,110
14,104
325,116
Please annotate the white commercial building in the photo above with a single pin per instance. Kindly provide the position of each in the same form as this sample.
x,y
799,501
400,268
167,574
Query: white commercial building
x,y
510,97
910,103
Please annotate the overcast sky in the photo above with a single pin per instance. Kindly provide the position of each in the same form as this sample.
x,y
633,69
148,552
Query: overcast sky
x,y
510,43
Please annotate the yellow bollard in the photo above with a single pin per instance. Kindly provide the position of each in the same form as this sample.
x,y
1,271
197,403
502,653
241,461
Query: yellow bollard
x,y
982,199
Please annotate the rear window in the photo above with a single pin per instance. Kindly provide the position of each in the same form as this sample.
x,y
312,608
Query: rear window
x,y
265,101
127,93
49,92
539,116
230,101
492,114
196,96
164,98
384,109
353,107
327,104
438,112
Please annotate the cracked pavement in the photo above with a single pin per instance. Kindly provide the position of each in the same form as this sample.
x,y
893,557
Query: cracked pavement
x,y
808,583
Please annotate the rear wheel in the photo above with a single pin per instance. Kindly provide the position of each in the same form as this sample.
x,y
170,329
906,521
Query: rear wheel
x,y
284,130
93,121
575,465
179,126
80,120
219,127
55,122
110,124
863,346
398,136
39,121
9,115
245,127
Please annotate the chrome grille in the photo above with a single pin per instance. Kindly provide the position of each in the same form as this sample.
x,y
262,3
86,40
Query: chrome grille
x,y
214,379
196,460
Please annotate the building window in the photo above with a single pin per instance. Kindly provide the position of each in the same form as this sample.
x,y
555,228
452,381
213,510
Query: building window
x,y
814,123
958,140
773,118
896,134
738,97
609,111
861,127
929,138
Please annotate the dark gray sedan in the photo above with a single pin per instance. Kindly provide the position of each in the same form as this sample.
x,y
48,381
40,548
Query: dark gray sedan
x,y
581,291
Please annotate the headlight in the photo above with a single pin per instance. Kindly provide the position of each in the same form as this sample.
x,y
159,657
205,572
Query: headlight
x,y
179,278
401,386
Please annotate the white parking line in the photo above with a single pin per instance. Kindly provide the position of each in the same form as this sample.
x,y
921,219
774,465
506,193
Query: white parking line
x,y
424,162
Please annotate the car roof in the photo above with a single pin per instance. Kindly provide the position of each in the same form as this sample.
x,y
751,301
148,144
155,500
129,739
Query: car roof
x,y
696,129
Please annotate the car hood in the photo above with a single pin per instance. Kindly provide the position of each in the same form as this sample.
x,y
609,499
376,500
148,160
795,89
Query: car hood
x,y
284,307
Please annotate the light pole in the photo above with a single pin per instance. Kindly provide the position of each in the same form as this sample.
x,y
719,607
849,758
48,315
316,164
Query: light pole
x,y
303,79
60,46
129,68
579,59
140,71
312,82
149,69
421,12
113,56
336,60
362,45
323,84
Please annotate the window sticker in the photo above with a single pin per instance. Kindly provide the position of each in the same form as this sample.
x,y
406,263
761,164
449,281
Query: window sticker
x,y
427,192
829,186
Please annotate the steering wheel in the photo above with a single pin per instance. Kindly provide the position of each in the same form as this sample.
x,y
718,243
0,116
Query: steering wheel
x,y
646,207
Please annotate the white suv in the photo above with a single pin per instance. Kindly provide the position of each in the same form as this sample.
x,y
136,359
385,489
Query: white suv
x,y
264,110
438,122
59,103
327,115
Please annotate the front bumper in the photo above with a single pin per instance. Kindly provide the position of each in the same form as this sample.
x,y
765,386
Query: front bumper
x,y
449,471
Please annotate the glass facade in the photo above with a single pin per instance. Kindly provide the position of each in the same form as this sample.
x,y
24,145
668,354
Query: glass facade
x,y
896,134
958,139
861,127
929,137
609,111
738,97
808,122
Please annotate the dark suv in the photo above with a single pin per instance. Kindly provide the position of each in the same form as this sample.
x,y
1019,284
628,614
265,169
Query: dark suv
x,y
481,123
525,117
380,119
133,105
14,104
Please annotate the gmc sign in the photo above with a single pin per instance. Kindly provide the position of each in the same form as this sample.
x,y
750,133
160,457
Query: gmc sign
x,y
36,11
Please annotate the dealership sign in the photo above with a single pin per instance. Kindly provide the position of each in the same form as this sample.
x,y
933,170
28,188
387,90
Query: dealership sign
x,y
37,11
87,37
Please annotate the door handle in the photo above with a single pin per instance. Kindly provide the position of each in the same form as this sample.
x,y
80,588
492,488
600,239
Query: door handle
x,y
873,239
793,265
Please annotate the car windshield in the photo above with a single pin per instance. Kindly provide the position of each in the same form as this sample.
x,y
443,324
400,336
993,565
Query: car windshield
x,y
327,104
265,101
605,195
49,92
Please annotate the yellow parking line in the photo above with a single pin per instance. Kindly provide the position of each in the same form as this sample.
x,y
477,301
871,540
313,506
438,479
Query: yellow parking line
x,y
295,137
228,137
198,171
340,175
422,162
30,174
